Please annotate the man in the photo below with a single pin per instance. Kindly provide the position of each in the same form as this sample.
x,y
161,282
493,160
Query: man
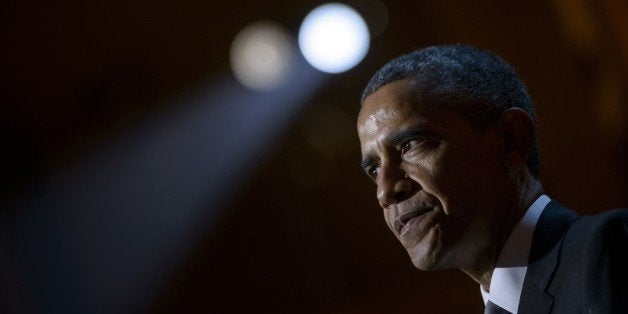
x,y
448,134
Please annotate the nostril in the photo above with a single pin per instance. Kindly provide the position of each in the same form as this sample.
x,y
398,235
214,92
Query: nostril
x,y
393,186
400,195
403,189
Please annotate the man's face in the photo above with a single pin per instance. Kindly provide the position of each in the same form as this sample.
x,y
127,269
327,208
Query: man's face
x,y
441,180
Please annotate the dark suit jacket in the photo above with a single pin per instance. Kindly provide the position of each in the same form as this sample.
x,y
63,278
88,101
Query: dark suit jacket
x,y
578,264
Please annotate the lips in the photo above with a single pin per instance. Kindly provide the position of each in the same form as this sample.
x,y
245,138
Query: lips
x,y
405,218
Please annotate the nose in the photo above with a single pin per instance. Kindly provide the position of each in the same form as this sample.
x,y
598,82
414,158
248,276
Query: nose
x,y
393,185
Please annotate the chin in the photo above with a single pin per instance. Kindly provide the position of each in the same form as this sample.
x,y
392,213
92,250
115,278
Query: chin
x,y
426,260
425,265
427,254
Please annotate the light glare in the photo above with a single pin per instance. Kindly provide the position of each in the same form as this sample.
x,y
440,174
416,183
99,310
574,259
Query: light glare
x,y
261,56
334,38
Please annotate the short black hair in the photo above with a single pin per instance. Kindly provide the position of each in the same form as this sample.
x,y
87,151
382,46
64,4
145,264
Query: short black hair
x,y
478,83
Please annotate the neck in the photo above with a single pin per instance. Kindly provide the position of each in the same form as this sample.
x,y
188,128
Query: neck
x,y
528,190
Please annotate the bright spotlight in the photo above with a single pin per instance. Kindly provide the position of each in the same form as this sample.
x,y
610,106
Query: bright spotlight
x,y
334,38
261,56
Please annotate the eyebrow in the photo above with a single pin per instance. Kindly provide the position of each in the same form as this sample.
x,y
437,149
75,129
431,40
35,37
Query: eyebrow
x,y
402,136
366,162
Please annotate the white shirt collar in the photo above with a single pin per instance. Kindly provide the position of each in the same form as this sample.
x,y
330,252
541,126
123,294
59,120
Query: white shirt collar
x,y
510,270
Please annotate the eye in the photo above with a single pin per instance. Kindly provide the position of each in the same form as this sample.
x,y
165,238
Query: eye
x,y
373,171
409,145
418,146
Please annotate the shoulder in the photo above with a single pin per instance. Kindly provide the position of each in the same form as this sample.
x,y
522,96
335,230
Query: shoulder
x,y
597,248
605,233
581,261
611,225
617,215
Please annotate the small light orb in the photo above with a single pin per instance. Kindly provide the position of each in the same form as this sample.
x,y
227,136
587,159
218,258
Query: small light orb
x,y
334,38
261,55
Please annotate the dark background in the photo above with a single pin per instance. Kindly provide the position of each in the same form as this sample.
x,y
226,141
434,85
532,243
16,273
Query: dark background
x,y
303,233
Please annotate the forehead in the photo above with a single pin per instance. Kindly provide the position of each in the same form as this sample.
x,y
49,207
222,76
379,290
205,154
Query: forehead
x,y
390,106
395,108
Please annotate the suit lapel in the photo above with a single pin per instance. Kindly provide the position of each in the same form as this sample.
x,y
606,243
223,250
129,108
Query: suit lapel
x,y
546,244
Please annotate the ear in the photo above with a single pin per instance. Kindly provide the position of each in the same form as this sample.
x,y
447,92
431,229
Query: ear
x,y
518,133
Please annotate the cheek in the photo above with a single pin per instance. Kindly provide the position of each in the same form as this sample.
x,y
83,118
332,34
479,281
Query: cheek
x,y
470,184
423,168
452,179
430,172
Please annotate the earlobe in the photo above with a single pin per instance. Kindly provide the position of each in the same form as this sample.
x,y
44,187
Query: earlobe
x,y
519,134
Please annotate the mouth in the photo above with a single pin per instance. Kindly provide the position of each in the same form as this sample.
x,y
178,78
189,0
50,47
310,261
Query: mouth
x,y
404,220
